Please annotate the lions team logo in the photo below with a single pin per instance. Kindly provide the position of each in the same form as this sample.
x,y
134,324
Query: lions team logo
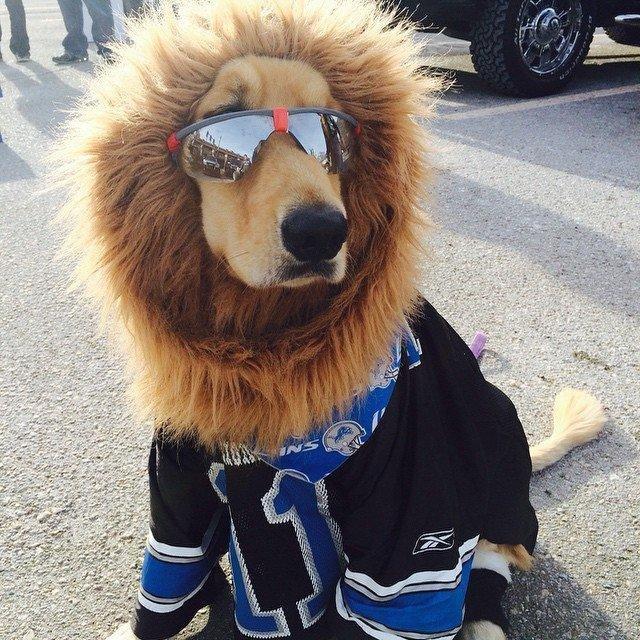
x,y
345,437
385,371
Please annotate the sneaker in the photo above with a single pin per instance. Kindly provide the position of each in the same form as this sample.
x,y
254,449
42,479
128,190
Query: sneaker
x,y
21,59
69,58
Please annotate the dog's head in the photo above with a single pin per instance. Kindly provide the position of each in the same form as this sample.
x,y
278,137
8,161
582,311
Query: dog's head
x,y
283,223
256,305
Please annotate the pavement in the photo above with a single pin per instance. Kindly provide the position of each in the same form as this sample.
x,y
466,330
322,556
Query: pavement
x,y
538,243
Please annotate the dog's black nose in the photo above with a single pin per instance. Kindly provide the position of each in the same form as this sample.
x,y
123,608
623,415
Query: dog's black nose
x,y
314,232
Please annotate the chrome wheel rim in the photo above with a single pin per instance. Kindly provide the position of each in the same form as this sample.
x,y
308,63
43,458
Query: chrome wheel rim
x,y
548,32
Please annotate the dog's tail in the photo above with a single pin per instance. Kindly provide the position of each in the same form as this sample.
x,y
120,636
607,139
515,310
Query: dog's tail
x,y
578,417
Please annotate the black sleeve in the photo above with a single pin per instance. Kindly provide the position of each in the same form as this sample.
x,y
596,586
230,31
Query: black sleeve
x,y
484,598
182,500
188,532
509,517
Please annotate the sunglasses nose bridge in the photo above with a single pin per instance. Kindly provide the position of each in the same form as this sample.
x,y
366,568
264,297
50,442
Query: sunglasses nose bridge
x,y
281,120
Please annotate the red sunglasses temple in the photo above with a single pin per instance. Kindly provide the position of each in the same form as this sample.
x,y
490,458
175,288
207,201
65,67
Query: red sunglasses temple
x,y
173,143
280,124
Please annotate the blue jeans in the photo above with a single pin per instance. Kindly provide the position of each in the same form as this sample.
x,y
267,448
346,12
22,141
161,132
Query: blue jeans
x,y
75,42
19,42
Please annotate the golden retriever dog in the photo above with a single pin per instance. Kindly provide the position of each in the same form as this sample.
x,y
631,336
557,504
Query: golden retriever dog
x,y
247,185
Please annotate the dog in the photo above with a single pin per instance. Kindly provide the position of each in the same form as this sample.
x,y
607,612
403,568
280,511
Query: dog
x,y
247,189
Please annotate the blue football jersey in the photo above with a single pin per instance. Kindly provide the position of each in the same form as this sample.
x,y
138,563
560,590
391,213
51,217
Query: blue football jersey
x,y
366,528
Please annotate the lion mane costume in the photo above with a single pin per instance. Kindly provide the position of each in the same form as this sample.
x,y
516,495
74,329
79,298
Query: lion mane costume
x,y
338,439
207,351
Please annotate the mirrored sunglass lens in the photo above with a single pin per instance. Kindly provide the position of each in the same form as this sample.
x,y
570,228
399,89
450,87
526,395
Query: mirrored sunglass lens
x,y
327,138
306,128
225,150
346,133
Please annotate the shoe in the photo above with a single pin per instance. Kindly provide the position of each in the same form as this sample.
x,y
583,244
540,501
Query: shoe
x,y
69,58
0,56
21,59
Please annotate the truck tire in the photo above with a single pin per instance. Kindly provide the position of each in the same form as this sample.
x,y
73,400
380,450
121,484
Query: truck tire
x,y
624,34
521,48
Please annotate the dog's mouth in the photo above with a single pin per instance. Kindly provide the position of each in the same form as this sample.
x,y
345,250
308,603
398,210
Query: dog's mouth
x,y
291,271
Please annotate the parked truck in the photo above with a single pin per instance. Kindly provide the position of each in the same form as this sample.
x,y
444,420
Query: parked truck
x,y
528,47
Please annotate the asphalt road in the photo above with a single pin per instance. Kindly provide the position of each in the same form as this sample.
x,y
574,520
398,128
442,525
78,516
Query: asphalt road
x,y
538,206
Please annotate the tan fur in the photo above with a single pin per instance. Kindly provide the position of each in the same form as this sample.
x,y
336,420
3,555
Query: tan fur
x,y
213,357
242,219
481,630
124,632
515,554
578,417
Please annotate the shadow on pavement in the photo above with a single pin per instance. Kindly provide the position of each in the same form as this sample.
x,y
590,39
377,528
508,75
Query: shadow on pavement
x,y
461,81
51,75
13,166
613,72
494,363
557,244
516,139
84,67
42,100
549,604
214,623
618,56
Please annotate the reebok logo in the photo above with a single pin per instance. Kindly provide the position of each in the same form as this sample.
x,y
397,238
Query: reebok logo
x,y
436,541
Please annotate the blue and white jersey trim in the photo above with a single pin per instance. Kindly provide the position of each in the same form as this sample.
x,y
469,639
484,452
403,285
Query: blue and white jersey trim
x,y
171,575
425,605
413,347
172,553
421,581
382,632
166,605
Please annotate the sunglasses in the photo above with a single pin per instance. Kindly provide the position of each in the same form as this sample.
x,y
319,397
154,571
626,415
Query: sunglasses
x,y
223,147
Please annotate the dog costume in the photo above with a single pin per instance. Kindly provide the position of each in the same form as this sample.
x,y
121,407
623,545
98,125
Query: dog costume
x,y
367,527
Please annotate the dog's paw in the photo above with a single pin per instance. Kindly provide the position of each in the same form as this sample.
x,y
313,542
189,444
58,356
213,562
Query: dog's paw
x,y
123,633
481,630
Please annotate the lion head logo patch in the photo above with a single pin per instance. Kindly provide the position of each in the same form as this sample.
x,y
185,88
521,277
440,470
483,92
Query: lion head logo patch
x,y
345,437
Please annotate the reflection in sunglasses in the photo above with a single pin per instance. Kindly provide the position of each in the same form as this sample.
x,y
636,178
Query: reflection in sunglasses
x,y
225,150
214,161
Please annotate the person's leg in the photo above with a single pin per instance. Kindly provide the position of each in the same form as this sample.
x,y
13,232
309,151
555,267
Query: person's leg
x,y
75,42
102,27
134,7
19,43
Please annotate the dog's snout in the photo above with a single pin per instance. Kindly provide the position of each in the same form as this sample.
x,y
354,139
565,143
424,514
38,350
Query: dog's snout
x,y
314,232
